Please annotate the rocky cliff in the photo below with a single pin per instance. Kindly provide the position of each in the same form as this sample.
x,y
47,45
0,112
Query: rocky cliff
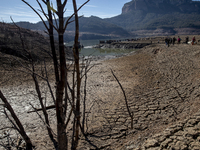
x,y
152,16
162,6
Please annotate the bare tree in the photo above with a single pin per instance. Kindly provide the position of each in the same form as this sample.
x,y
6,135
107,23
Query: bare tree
x,y
66,106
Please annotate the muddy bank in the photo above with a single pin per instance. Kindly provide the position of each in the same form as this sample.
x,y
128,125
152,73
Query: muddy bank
x,y
122,45
162,87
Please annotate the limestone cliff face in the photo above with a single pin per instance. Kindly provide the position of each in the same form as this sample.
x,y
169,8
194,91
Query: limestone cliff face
x,y
161,6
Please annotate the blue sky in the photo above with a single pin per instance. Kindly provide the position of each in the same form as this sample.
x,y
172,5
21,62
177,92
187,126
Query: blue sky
x,y
21,12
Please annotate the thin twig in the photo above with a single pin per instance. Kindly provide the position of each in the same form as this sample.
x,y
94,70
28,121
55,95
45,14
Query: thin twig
x,y
126,101
50,89
36,13
67,22
42,119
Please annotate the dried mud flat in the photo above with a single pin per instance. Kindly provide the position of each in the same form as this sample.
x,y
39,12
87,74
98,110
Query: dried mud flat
x,y
162,86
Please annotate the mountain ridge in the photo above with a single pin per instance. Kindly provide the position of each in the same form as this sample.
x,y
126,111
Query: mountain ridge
x,y
162,6
90,28
151,15
137,18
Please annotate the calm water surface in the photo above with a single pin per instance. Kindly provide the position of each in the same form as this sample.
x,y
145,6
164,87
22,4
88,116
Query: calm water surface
x,y
88,49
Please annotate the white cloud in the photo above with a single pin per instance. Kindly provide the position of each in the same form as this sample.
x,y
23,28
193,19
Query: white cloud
x,y
18,14
89,6
107,15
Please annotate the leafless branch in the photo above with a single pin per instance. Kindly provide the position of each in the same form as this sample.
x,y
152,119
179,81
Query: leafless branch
x,y
47,80
36,111
69,116
68,20
20,127
46,15
64,4
42,10
11,121
36,13
126,101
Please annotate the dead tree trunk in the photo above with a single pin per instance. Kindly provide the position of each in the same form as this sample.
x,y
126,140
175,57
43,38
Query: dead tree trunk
x,y
61,129
53,49
62,83
78,79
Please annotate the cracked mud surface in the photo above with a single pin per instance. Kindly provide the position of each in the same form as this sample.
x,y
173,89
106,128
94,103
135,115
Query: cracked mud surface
x,y
162,86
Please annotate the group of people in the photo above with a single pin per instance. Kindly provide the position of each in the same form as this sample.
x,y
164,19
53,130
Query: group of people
x,y
169,40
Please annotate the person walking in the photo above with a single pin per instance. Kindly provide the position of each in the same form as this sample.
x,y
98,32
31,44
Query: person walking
x,y
173,40
179,40
186,39
167,41
193,40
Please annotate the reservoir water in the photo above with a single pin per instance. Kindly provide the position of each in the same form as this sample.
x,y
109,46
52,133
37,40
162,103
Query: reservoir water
x,y
88,49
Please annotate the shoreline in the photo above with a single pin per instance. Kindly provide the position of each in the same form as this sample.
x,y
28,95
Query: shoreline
x,y
122,45
104,58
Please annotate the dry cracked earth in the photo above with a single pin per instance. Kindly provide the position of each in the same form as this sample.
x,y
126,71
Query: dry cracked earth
x,y
162,86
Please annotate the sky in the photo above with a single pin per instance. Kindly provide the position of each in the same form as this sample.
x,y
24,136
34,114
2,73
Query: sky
x,y
21,12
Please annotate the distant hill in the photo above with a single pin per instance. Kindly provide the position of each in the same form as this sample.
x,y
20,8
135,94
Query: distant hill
x,y
99,26
138,17
158,14
90,28
35,44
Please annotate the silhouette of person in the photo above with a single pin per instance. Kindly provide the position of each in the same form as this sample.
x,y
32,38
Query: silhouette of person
x,y
186,40
193,40
179,40
173,40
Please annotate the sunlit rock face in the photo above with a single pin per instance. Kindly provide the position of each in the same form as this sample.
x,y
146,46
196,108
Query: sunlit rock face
x,y
162,6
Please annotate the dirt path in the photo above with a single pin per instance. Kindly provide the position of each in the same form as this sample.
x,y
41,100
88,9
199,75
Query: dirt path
x,y
162,87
